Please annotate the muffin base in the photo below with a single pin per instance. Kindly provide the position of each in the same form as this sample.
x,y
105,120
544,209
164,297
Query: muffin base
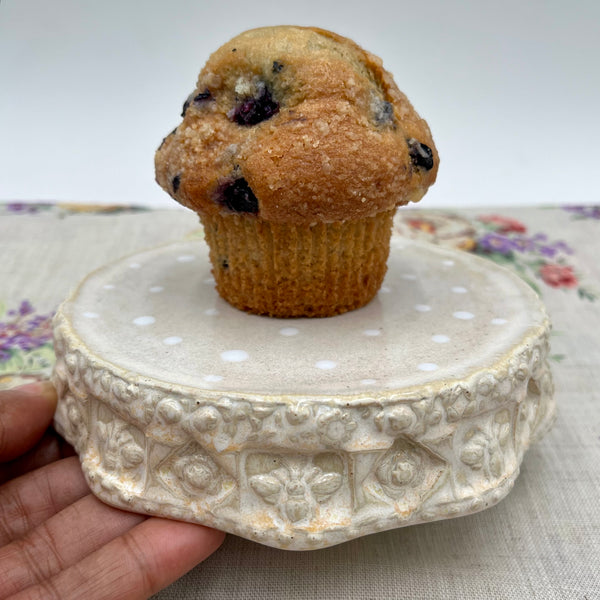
x,y
283,270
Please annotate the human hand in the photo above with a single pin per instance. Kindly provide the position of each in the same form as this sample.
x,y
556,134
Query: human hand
x,y
57,540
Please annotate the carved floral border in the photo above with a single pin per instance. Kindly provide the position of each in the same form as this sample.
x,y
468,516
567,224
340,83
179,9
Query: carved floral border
x,y
303,472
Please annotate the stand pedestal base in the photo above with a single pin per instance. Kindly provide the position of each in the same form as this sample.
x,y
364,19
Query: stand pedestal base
x,y
303,433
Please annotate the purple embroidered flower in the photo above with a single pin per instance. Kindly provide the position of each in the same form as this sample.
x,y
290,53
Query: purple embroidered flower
x,y
25,308
538,243
552,249
495,242
24,331
25,342
547,251
563,247
523,244
584,212
24,208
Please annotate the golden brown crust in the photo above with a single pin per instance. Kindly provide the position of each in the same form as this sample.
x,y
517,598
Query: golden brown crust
x,y
339,142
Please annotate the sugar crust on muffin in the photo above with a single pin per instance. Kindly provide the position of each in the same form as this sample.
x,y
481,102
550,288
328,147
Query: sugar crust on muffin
x,y
296,125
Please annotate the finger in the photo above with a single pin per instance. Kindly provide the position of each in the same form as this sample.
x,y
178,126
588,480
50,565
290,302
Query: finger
x,y
134,566
61,541
25,413
50,448
29,500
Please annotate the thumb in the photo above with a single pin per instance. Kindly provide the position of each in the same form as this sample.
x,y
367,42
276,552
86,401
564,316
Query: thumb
x,y
25,413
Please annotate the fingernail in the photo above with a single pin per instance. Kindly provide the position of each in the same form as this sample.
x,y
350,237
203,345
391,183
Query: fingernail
x,y
48,390
39,388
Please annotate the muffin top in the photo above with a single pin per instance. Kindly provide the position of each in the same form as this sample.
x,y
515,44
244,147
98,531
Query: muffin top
x,y
296,125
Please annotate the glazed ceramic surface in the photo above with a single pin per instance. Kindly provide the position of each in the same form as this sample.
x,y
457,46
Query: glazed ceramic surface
x,y
303,433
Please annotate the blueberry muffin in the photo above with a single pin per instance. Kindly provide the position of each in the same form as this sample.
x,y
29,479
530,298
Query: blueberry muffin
x,y
295,149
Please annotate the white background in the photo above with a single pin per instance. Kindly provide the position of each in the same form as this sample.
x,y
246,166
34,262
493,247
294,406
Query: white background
x,y
510,89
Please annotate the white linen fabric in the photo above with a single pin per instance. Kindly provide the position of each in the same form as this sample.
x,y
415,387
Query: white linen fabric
x,y
542,541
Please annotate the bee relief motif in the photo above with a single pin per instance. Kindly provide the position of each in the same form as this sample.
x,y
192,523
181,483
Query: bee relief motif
x,y
295,485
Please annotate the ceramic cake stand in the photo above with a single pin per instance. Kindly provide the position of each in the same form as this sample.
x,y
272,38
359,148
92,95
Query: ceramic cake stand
x,y
303,433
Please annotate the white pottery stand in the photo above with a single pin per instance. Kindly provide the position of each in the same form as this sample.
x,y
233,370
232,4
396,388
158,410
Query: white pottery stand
x,y
303,433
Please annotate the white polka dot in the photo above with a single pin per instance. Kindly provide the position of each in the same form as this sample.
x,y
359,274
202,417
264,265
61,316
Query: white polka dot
x,y
457,289
409,276
368,381
211,312
448,263
145,320
186,258
463,315
422,307
289,331
440,339
135,266
209,280
212,378
384,289
372,332
109,286
91,315
427,367
234,356
325,365
498,321
171,341
155,289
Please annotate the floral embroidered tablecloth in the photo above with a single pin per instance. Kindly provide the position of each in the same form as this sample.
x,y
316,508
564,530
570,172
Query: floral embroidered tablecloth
x,y
542,541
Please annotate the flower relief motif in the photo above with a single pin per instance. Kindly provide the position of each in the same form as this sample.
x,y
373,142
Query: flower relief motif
x,y
301,416
487,390
164,422
76,425
459,402
204,419
293,484
544,416
233,414
429,412
198,473
119,450
297,413
124,392
399,470
396,419
527,415
536,361
335,427
532,410
485,450
519,372
58,337
169,411
404,474
259,414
